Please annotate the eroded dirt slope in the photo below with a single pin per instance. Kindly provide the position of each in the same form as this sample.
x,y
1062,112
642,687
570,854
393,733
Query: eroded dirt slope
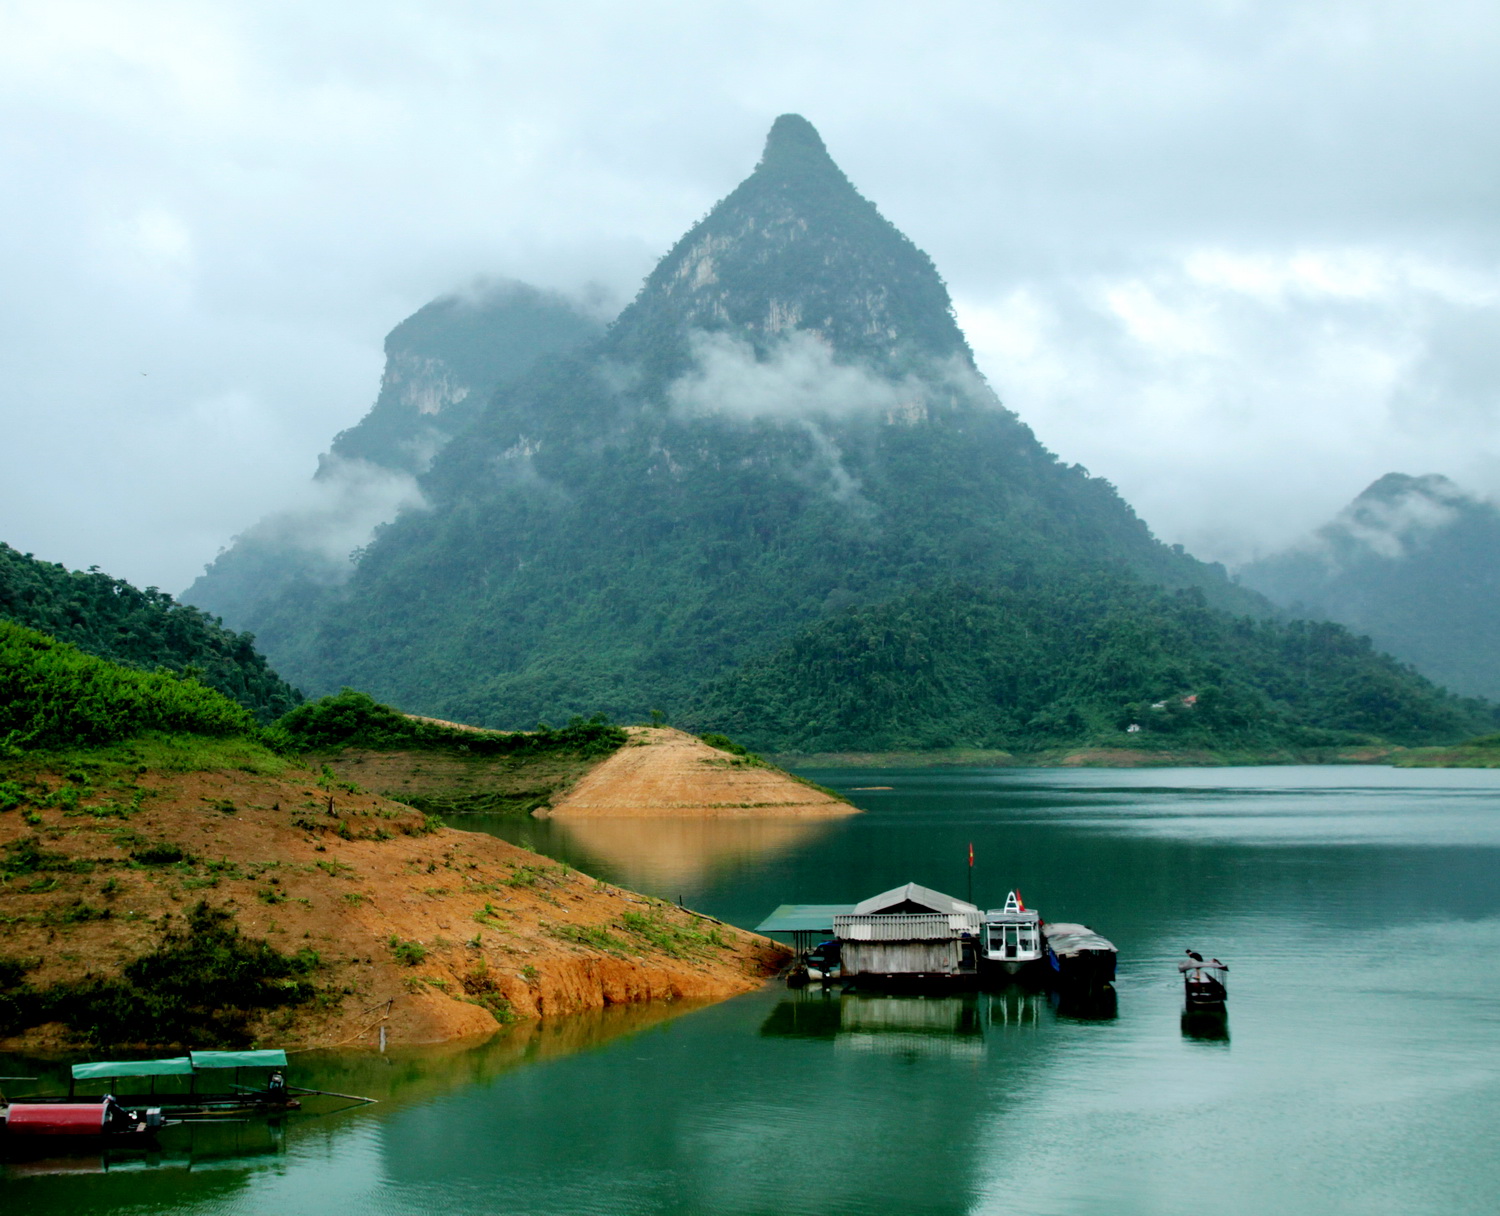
x,y
436,934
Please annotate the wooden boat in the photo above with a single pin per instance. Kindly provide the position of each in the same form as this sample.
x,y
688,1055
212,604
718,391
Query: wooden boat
x,y
221,1092
1205,983
1077,956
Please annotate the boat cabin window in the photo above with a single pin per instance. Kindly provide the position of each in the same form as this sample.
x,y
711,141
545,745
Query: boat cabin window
x,y
1012,940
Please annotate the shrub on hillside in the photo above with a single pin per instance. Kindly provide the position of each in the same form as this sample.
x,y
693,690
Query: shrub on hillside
x,y
54,695
355,719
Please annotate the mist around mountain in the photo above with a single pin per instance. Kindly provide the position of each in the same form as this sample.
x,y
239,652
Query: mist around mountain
x,y
1414,562
441,366
143,629
784,432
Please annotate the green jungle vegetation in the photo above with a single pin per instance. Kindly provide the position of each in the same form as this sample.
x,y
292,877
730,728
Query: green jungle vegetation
x,y
1415,563
355,719
146,629
1032,669
199,986
594,547
1483,752
53,694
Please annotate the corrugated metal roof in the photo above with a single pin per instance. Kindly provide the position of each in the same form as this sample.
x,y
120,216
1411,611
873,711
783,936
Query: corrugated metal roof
x,y
916,894
905,926
803,918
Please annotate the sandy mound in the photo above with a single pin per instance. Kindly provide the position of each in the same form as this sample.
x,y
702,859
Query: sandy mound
x,y
663,771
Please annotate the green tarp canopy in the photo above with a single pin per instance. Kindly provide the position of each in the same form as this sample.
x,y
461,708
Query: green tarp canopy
x,y
181,1066
239,1059
803,918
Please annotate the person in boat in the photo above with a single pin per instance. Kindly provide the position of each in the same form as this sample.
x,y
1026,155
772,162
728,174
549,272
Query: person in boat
x,y
276,1087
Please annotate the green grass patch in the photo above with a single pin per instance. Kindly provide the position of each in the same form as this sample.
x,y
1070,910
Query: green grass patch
x,y
52,693
355,719
407,953
676,940
595,937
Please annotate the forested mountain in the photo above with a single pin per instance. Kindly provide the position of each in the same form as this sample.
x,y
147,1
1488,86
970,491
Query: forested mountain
x,y
781,439
441,366
1415,563
1074,661
146,629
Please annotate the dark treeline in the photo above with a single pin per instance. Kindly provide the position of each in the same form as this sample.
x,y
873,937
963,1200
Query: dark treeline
x,y
1076,662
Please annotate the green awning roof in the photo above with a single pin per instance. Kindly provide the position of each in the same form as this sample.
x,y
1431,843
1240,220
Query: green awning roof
x,y
179,1066
803,918
239,1059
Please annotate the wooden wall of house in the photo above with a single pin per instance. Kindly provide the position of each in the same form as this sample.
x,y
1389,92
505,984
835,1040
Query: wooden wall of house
x,y
901,958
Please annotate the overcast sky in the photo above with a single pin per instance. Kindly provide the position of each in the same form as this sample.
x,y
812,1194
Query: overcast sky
x,y
1239,258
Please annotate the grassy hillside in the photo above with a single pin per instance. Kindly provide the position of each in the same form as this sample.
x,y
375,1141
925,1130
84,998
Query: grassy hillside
x,y
146,629
1075,663
54,695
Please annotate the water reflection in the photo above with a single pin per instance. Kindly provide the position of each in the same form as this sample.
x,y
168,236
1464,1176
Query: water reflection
x,y
903,1024
1206,1026
668,854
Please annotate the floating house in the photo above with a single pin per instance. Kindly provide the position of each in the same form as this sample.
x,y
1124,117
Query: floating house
x,y
910,932
905,934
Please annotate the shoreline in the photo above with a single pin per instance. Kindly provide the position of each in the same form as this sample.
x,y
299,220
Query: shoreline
x,y
1115,757
431,932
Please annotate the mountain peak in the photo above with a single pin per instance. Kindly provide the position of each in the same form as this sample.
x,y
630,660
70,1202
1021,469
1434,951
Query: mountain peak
x,y
794,246
1395,486
794,149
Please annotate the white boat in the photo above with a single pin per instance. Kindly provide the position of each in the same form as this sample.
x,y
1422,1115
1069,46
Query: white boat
x,y
1011,939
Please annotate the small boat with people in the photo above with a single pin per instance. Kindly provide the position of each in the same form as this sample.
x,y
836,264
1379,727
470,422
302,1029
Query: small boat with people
x,y
200,1085
1205,983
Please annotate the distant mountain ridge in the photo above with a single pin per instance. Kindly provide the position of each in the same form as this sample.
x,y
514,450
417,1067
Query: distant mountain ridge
x,y
786,426
1415,563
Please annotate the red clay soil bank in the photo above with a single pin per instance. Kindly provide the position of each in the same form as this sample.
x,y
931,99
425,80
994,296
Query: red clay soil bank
x,y
429,933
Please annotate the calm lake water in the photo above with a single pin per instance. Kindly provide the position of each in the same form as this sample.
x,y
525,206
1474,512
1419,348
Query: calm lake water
x,y
1359,1071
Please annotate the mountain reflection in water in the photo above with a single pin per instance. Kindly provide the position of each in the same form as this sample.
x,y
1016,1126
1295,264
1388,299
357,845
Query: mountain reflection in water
x,y
674,854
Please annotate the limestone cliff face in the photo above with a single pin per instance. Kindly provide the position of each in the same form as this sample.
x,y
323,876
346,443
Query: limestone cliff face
x,y
444,362
796,247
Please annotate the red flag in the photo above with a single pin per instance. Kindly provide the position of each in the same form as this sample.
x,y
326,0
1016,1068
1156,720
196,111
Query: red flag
x,y
971,854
